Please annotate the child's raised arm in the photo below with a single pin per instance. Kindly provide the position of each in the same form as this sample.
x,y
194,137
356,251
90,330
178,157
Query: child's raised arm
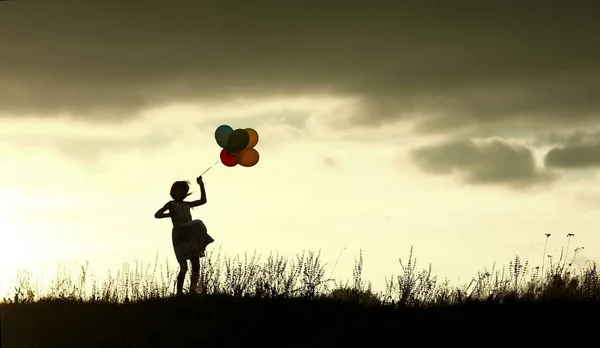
x,y
202,199
160,214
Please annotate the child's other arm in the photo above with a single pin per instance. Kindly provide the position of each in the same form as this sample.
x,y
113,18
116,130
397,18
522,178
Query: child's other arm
x,y
161,213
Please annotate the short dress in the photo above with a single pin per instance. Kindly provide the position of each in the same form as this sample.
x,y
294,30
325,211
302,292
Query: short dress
x,y
190,237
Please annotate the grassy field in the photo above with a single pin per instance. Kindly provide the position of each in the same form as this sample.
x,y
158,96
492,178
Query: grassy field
x,y
288,301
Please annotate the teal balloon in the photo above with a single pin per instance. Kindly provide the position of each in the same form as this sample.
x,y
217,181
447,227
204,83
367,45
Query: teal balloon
x,y
222,135
238,140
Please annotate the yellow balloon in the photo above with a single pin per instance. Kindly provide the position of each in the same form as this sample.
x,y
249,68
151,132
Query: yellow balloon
x,y
247,157
253,138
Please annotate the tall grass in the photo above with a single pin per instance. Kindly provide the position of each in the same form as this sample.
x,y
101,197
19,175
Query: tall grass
x,y
304,277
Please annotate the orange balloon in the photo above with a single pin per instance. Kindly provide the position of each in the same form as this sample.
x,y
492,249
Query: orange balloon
x,y
247,157
253,138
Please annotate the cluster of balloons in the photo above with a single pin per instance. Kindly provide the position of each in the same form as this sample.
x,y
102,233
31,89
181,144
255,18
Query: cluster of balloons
x,y
237,146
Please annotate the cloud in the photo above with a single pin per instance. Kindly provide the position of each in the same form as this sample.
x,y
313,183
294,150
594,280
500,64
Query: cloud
x,y
574,150
329,162
491,161
446,67
570,137
573,157
589,197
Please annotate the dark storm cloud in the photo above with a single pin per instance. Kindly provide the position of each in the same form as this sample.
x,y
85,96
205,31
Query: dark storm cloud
x,y
451,66
576,150
488,162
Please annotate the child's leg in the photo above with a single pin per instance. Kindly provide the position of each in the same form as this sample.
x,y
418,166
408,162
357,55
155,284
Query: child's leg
x,y
195,273
183,267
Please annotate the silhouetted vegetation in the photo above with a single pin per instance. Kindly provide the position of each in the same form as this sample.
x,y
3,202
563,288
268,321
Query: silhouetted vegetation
x,y
245,299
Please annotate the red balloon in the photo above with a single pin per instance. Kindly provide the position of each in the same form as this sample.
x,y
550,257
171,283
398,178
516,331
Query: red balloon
x,y
228,158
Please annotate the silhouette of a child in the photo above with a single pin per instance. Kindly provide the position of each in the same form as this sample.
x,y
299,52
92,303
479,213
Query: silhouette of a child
x,y
190,237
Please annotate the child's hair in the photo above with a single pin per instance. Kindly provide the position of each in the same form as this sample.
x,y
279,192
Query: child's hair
x,y
180,185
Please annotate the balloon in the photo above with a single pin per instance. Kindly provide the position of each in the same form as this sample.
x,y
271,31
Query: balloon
x,y
228,158
247,157
253,138
237,140
222,134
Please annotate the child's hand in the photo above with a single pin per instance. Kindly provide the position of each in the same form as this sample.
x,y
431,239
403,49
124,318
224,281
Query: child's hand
x,y
199,180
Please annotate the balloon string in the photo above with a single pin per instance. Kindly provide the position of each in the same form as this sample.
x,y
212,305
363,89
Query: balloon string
x,y
209,168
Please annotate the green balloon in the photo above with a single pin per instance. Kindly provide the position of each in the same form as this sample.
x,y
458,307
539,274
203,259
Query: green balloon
x,y
237,141
222,134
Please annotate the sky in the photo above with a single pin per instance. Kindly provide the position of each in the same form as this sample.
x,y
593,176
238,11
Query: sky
x,y
465,130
